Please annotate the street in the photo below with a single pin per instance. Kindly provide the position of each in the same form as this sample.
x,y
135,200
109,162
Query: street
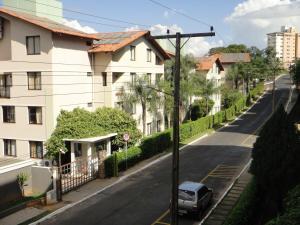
x,y
143,198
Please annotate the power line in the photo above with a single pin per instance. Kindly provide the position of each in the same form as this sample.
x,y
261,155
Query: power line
x,y
91,15
71,18
180,13
77,64
186,16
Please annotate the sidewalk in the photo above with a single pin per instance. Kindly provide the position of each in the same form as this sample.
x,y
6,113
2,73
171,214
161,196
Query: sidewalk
x,y
222,210
31,214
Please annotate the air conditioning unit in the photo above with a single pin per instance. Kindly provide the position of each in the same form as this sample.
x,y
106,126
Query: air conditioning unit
x,y
47,163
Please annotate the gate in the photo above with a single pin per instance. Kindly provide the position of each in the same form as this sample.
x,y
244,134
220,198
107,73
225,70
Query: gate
x,y
77,173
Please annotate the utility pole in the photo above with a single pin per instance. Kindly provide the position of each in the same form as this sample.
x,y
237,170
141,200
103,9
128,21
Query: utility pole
x,y
273,93
175,155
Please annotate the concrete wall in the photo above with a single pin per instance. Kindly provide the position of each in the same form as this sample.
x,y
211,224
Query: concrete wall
x,y
41,179
9,188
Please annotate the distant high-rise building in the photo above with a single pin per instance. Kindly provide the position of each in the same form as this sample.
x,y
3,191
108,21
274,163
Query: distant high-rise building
x,y
286,44
50,9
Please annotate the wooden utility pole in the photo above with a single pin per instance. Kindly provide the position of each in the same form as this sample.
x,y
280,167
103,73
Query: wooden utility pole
x,y
175,159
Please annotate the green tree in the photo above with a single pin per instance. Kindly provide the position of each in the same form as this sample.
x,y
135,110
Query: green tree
x,y
199,108
234,75
81,123
295,72
208,89
233,48
142,92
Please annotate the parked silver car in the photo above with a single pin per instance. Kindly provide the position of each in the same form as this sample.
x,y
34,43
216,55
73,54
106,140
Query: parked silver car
x,y
193,198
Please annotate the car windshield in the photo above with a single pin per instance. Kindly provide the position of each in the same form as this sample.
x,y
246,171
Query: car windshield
x,y
186,195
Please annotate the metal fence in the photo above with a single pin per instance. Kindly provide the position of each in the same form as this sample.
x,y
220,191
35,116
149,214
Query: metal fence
x,y
78,173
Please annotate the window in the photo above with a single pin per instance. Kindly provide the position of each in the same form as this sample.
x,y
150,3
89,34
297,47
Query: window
x,y
104,79
149,128
132,53
149,55
1,28
8,114
89,74
90,104
5,84
35,115
149,78
158,125
78,149
10,148
33,45
36,149
202,192
34,81
119,105
158,61
133,78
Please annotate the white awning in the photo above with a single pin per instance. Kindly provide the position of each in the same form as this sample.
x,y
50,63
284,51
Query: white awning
x,y
92,139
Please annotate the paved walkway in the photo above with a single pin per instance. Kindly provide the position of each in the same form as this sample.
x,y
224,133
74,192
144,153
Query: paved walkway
x,y
220,213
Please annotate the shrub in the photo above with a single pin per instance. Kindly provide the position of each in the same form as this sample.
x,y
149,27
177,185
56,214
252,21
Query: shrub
x,y
193,128
155,144
199,108
230,113
244,209
133,157
219,118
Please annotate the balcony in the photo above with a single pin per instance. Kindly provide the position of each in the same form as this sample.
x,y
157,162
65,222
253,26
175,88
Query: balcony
x,y
4,92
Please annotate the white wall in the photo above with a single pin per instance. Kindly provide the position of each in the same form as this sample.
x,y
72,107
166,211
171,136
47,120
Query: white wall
x,y
120,62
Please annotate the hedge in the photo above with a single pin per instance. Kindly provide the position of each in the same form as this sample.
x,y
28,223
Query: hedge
x,y
160,142
244,209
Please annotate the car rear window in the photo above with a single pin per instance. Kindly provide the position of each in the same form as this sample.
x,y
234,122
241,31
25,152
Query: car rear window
x,y
186,195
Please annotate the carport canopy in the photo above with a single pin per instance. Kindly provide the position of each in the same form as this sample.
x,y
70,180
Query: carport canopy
x,y
92,139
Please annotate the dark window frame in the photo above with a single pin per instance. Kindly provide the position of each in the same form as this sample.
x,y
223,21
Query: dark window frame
x,y
35,121
35,37
132,53
35,75
8,147
149,55
104,79
7,116
36,154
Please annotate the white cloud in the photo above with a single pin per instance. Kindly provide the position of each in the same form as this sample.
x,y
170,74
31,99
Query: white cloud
x,y
251,20
195,46
76,25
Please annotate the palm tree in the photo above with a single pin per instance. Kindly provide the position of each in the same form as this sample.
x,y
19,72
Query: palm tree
x,y
143,93
208,89
234,76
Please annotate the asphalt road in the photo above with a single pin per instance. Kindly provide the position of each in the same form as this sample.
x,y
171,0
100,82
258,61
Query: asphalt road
x,y
143,198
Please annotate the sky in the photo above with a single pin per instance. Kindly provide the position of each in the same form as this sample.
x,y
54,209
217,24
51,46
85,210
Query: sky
x,y
235,21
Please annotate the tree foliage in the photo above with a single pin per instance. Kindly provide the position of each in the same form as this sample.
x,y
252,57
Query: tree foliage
x,y
81,123
233,48
295,72
199,108
142,92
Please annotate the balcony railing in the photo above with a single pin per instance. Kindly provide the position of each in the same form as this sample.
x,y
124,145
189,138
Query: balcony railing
x,y
4,92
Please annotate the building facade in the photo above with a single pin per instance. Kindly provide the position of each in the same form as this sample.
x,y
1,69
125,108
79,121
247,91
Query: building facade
x,y
118,59
211,67
46,67
286,44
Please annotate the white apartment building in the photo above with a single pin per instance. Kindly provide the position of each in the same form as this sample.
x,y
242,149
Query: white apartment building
x,y
286,44
213,70
44,68
118,59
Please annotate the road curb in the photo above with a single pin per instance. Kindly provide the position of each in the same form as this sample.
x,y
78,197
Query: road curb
x,y
63,209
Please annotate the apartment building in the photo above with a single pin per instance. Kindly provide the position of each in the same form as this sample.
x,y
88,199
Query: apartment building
x,y
286,44
213,70
44,68
120,57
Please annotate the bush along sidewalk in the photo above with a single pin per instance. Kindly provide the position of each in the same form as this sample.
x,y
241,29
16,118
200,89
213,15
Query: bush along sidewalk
x,y
161,142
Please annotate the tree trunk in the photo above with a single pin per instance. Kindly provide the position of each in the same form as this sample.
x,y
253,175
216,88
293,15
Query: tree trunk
x,y
247,85
236,81
144,118
207,106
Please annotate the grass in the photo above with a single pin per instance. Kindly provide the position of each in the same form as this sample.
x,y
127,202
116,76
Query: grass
x,y
23,200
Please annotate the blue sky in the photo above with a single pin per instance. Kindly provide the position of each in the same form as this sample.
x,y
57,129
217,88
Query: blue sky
x,y
236,21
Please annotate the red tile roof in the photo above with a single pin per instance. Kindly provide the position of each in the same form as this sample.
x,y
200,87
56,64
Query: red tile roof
x,y
206,63
47,24
114,41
